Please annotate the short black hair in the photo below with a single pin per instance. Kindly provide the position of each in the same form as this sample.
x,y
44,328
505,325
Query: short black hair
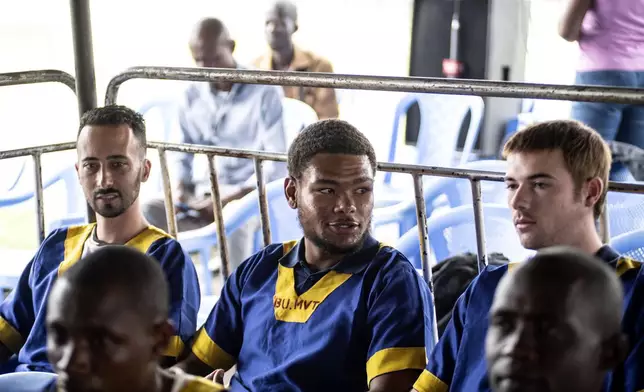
x,y
116,115
331,136
287,8
125,269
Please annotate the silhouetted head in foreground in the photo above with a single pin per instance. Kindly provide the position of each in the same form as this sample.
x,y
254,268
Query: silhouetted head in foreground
x,y
107,322
555,324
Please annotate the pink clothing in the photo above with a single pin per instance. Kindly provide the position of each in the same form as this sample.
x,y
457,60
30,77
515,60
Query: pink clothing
x,y
612,36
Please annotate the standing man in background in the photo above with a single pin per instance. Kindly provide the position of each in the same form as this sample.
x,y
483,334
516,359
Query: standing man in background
x,y
281,23
222,114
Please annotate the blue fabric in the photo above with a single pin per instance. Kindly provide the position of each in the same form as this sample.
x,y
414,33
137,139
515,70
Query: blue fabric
x,y
249,117
22,314
364,318
28,382
620,122
458,359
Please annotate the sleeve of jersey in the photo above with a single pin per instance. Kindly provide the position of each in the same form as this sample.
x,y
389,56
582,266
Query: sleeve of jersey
x,y
441,362
219,341
185,295
17,313
397,306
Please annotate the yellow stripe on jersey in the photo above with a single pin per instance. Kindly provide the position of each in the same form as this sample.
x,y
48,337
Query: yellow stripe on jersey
x,y
10,337
290,307
395,359
427,382
77,235
210,353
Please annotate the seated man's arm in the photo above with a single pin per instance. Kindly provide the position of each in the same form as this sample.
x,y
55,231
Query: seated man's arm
x,y
326,103
271,131
17,315
442,360
217,344
183,162
397,308
185,295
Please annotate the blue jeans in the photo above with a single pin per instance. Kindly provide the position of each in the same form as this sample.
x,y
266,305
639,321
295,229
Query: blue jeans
x,y
619,122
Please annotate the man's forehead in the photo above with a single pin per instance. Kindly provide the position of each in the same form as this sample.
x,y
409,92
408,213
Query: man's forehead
x,y
338,165
528,295
527,164
106,140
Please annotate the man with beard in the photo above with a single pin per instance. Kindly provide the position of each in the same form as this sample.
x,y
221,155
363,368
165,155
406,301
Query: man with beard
x,y
111,165
336,310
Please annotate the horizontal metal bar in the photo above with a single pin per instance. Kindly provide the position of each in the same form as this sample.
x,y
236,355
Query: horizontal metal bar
x,y
484,88
23,152
435,171
39,76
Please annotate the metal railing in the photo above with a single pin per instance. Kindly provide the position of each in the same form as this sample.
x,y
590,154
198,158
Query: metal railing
x,y
33,77
404,84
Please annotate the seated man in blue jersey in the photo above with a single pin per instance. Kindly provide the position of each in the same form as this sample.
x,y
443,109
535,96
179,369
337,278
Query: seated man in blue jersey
x,y
557,181
107,327
111,166
335,311
555,324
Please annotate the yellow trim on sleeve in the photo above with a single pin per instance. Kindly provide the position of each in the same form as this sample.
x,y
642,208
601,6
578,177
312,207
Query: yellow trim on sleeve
x,y
428,382
395,359
175,347
210,353
10,337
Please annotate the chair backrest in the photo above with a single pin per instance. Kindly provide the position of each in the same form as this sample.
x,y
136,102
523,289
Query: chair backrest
x,y
297,115
441,119
452,232
630,244
625,212
167,109
26,381
283,219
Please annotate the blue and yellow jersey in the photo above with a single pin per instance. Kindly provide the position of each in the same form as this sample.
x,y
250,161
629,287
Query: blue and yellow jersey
x,y
22,314
458,360
288,328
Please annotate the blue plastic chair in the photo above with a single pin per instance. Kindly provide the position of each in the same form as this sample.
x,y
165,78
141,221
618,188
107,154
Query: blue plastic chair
x,y
26,381
625,212
283,221
441,192
630,244
453,232
441,118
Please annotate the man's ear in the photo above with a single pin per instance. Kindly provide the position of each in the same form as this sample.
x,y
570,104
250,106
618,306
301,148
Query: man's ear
x,y
147,166
232,44
290,191
594,190
163,333
614,351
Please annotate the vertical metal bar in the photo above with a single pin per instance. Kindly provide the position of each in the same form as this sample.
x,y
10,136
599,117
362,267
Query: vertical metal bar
x,y
421,216
84,62
219,217
263,203
604,229
170,214
478,223
40,211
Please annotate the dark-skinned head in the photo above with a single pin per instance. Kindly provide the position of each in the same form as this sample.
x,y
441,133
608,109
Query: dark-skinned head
x,y
111,162
281,23
555,324
211,45
331,169
107,322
